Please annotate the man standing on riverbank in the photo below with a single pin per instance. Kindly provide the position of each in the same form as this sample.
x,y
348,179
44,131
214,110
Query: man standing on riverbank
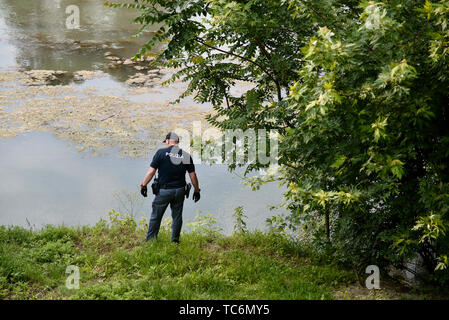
x,y
171,163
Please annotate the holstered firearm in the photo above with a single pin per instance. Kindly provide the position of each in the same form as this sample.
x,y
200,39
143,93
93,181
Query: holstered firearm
x,y
155,186
187,189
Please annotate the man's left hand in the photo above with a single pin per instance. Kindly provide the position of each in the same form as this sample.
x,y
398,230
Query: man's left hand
x,y
196,196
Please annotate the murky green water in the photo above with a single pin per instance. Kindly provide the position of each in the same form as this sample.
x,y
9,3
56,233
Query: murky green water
x,y
43,125
40,39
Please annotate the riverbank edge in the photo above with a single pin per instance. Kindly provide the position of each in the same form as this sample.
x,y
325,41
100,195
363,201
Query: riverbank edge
x,y
111,260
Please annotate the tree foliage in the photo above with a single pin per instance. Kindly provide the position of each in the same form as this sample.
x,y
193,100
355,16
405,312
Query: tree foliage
x,y
370,141
358,91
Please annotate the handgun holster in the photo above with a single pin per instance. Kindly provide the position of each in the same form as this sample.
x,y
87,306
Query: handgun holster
x,y
187,190
155,186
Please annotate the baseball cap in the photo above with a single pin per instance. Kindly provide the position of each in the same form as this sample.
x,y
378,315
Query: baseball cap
x,y
171,136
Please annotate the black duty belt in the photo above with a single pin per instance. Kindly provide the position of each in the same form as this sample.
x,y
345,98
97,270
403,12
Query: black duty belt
x,y
164,186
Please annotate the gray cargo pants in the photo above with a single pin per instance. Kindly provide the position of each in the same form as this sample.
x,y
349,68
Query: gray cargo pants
x,y
174,197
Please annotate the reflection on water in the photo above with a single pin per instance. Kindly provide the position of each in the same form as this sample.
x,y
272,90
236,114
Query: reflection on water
x,y
46,182
37,30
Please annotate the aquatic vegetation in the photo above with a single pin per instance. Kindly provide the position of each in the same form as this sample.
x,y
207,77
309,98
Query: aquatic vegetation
x,y
9,76
85,74
39,77
88,118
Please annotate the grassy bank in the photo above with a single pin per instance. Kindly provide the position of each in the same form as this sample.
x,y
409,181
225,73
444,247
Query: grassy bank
x,y
115,263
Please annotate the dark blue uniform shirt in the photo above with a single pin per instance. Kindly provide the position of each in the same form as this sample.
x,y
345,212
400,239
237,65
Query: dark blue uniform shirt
x,y
172,164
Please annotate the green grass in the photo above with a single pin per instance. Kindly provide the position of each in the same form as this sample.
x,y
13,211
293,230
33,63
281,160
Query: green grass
x,y
115,263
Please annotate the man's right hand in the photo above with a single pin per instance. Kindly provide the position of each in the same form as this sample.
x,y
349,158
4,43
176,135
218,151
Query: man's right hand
x,y
196,196
143,190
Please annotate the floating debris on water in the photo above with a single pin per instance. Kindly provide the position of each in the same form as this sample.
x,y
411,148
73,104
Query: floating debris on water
x,y
85,75
87,117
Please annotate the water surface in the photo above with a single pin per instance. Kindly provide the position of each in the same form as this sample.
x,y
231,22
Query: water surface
x,y
45,180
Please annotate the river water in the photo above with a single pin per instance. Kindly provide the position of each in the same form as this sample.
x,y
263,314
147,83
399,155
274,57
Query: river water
x,y
71,150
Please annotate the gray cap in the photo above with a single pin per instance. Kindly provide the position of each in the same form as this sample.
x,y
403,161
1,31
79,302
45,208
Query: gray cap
x,y
172,136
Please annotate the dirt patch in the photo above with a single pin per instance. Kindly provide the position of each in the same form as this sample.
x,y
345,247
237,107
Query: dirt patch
x,y
388,291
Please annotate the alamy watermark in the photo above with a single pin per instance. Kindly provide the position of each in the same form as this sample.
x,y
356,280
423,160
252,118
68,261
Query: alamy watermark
x,y
73,280
73,20
230,147
373,280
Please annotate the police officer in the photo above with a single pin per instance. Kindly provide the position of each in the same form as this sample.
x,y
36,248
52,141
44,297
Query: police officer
x,y
172,163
